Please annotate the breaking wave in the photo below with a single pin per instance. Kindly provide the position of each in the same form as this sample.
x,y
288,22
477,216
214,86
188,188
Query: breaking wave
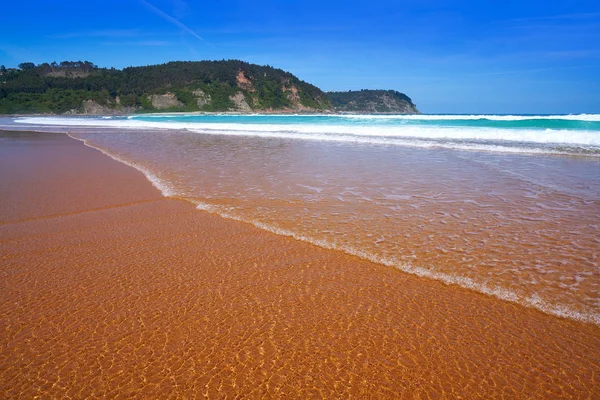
x,y
368,129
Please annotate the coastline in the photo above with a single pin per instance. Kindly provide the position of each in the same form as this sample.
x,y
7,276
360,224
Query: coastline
x,y
510,286
240,112
135,294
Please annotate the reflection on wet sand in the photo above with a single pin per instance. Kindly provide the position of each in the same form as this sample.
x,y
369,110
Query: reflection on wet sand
x,y
135,295
520,227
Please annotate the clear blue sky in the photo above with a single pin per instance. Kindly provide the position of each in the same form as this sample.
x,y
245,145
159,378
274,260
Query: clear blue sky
x,y
449,56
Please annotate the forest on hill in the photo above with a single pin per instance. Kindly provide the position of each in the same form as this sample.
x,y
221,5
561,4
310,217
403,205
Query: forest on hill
x,y
372,101
81,87
175,86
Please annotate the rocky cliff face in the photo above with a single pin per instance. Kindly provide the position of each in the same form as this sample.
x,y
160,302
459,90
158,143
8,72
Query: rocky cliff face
x,y
239,103
165,101
291,98
201,98
364,102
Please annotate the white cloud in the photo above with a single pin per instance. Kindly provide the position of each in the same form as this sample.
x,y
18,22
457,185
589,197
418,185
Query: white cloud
x,y
174,21
108,33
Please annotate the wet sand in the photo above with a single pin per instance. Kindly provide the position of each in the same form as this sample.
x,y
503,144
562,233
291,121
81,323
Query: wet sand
x,y
110,290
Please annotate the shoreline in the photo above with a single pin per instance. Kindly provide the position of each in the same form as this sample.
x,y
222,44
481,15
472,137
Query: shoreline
x,y
501,294
274,309
284,113
255,112
423,273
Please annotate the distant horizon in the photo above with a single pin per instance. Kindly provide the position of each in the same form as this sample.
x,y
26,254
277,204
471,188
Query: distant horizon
x,y
461,57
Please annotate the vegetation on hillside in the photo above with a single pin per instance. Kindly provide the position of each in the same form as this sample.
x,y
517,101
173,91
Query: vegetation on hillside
x,y
82,87
382,101
198,86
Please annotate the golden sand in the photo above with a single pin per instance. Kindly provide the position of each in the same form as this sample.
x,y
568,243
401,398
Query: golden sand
x,y
110,290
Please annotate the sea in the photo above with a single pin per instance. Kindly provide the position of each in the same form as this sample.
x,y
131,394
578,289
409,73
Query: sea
x,y
505,205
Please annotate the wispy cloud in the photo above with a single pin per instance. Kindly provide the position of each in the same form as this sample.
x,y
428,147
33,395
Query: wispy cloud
x,y
109,33
174,21
571,54
278,29
560,17
180,8
241,44
138,43
19,54
525,71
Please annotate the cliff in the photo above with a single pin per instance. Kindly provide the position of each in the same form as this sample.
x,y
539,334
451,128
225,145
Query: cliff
x,y
372,102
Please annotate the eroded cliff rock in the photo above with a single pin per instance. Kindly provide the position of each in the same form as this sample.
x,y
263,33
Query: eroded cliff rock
x,y
165,101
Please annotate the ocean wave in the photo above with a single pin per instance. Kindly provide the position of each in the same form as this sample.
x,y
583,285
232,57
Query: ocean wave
x,y
534,300
162,186
386,122
412,117
490,117
462,138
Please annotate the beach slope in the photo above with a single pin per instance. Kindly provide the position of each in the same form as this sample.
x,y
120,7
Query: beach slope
x,y
110,290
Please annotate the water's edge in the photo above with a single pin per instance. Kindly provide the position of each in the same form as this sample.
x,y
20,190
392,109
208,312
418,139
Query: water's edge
x,y
467,283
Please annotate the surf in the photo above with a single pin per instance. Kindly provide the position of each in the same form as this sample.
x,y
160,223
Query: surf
x,y
354,129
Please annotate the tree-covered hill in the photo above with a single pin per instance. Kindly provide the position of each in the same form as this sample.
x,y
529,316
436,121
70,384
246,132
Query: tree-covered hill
x,y
372,101
82,87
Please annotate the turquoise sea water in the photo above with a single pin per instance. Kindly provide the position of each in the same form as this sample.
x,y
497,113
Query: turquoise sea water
x,y
557,134
504,205
562,122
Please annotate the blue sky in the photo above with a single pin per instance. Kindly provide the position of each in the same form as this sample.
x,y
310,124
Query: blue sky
x,y
448,56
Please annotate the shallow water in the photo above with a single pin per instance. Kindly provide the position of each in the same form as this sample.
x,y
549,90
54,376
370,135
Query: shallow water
x,y
516,219
110,290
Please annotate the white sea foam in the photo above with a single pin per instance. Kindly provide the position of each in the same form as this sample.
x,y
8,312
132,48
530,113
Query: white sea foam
x,y
491,117
489,139
534,301
413,117
166,189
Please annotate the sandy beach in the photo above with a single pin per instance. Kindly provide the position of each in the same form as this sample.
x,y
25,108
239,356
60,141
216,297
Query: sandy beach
x,y
111,290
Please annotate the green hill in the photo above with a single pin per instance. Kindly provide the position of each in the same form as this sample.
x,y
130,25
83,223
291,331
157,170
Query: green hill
x,y
372,101
232,85
82,87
